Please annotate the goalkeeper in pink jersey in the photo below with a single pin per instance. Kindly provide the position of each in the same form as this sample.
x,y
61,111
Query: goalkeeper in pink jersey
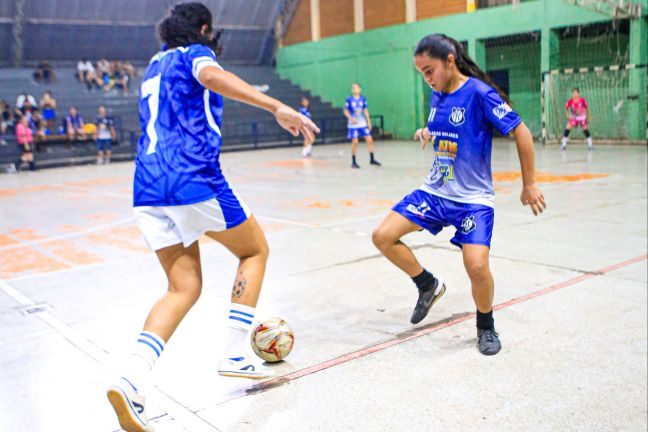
x,y
577,112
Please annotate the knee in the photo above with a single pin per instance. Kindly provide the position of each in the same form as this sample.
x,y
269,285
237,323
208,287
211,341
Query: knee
x,y
380,239
189,291
478,270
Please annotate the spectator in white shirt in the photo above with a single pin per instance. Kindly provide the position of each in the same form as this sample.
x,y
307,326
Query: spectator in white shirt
x,y
20,102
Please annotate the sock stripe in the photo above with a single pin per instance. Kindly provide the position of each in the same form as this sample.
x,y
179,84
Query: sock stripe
x,y
154,339
232,317
146,342
241,313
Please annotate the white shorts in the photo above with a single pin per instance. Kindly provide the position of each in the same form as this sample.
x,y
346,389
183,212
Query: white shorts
x,y
169,225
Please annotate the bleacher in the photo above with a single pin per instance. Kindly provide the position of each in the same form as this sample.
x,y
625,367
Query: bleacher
x,y
243,126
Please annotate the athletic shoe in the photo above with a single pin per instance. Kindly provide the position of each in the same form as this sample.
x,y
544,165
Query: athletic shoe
x,y
375,162
563,147
488,341
355,165
243,367
426,299
129,407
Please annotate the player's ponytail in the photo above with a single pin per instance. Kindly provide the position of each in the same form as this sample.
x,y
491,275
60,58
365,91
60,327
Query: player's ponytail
x,y
182,25
439,46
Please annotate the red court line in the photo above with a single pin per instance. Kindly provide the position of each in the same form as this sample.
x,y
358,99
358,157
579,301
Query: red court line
x,y
413,334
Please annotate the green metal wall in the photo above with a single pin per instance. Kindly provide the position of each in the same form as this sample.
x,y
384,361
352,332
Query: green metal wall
x,y
381,60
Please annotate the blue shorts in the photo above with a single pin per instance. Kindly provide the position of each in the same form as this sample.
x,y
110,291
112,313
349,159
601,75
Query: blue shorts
x,y
104,144
355,133
474,222
49,114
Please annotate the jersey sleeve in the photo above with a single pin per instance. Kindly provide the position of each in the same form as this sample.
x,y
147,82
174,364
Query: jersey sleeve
x,y
199,57
364,103
568,104
499,113
347,105
585,105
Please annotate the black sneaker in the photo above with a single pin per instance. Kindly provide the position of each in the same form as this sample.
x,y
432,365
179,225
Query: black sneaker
x,y
426,299
375,162
355,165
488,341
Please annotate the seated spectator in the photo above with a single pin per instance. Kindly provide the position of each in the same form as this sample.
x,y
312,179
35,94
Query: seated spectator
x,y
104,135
48,107
129,70
74,125
38,125
25,141
119,78
26,111
44,73
86,73
103,73
6,117
25,97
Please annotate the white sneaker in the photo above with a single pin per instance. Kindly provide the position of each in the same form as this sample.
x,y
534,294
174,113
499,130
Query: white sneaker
x,y
243,367
129,407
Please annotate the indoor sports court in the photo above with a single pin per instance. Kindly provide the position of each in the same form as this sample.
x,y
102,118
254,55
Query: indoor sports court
x,y
350,130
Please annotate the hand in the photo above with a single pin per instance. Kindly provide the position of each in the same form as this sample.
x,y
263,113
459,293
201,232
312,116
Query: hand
x,y
423,135
353,120
369,127
295,123
532,196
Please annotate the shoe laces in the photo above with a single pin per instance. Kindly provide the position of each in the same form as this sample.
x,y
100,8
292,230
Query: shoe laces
x,y
490,335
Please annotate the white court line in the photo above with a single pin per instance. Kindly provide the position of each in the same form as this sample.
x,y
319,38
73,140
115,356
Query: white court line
x,y
187,418
67,236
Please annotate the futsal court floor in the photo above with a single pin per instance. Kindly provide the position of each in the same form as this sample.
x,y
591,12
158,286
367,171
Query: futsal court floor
x,y
77,280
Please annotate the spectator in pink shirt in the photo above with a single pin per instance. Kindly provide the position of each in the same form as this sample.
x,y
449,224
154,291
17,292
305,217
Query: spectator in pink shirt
x,y
25,141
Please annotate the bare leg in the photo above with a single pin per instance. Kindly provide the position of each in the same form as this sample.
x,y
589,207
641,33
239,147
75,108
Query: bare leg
x,y
248,243
387,236
182,267
370,143
475,259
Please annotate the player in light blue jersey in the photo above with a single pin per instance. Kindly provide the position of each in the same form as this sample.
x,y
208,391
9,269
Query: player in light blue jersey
x,y
359,124
180,193
465,105
304,109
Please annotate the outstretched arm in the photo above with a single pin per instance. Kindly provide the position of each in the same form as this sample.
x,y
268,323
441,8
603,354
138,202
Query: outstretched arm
x,y
230,86
531,194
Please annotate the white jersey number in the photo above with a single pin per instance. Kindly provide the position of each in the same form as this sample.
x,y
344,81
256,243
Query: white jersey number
x,y
151,90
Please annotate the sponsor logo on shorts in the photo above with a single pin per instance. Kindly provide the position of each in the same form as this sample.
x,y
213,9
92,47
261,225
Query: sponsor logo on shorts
x,y
468,225
457,116
501,110
420,210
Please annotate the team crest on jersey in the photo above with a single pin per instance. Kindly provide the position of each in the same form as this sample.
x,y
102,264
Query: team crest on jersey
x,y
501,110
457,116
468,225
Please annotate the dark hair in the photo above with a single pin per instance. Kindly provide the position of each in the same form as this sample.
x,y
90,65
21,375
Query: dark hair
x,y
440,46
576,89
181,27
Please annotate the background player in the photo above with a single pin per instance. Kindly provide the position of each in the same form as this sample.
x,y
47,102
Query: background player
x,y
359,124
104,135
464,107
304,109
180,194
578,117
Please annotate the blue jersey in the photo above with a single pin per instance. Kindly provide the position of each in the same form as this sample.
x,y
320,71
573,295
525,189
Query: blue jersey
x,y
356,107
461,126
177,154
305,111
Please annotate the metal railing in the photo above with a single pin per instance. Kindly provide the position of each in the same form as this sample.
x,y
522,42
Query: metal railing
x,y
247,136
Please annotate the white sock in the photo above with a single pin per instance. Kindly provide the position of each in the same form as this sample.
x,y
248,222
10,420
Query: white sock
x,y
147,350
589,141
239,324
564,141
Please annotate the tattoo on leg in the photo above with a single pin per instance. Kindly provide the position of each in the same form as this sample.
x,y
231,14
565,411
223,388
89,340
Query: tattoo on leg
x,y
239,286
